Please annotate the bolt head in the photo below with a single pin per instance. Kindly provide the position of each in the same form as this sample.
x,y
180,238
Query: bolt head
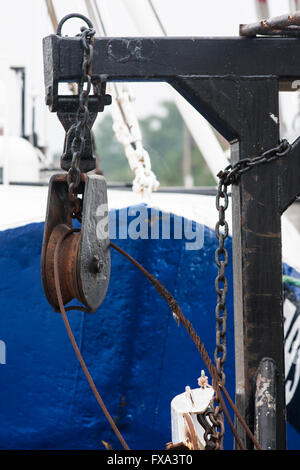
x,y
96,265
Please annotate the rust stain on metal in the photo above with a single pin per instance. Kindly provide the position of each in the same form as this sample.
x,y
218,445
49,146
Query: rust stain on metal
x,y
192,440
68,261
285,25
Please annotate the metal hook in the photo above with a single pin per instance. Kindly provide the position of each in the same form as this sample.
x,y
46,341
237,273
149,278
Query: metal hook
x,y
73,15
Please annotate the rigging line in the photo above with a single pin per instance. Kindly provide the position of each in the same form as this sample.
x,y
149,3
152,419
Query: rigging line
x,y
157,17
91,13
74,343
100,18
103,33
54,21
52,14
92,5
78,368
81,309
176,309
126,126
232,404
200,346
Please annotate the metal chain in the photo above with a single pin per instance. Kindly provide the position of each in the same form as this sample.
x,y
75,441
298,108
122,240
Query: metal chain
x,y
213,436
230,175
221,283
211,421
82,117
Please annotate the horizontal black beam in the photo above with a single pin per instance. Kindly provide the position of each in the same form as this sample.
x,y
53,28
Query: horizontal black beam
x,y
161,58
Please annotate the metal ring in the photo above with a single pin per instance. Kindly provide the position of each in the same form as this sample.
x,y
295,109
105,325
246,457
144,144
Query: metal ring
x,y
73,15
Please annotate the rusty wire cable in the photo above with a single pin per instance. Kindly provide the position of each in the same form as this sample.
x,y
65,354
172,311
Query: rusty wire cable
x,y
74,343
218,387
285,25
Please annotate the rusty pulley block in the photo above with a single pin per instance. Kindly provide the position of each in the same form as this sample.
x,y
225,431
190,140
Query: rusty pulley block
x,y
79,257
84,255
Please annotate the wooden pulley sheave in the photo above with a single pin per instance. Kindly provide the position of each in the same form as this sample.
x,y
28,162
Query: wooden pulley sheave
x,y
81,256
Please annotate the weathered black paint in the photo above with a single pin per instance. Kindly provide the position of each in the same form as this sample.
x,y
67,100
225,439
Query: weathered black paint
x,y
161,58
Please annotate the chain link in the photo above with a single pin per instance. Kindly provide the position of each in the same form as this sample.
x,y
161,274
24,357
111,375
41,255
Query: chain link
x,y
214,438
230,175
221,283
82,117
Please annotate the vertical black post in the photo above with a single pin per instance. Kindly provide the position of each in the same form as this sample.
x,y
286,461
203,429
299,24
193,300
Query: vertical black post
x,y
257,263
245,111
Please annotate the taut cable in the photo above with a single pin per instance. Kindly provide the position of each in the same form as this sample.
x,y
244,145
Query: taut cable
x,y
74,344
179,315
168,297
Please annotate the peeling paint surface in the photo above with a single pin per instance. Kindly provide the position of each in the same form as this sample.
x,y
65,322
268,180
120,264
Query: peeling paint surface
x,y
263,393
275,118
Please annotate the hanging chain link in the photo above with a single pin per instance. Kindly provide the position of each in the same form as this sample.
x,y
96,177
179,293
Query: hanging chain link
x,y
82,117
221,283
231,175
213,425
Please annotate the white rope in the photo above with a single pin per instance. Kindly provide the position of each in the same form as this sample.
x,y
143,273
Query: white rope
x,y
126,127
127,132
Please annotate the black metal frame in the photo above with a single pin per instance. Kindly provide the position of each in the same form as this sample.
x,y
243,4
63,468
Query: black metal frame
x,y
234,83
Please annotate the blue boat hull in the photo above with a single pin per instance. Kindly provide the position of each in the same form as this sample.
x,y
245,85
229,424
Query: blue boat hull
x,y
138,356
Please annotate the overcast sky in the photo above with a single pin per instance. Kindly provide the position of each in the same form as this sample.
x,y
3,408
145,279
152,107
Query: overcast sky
x,y
25,22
